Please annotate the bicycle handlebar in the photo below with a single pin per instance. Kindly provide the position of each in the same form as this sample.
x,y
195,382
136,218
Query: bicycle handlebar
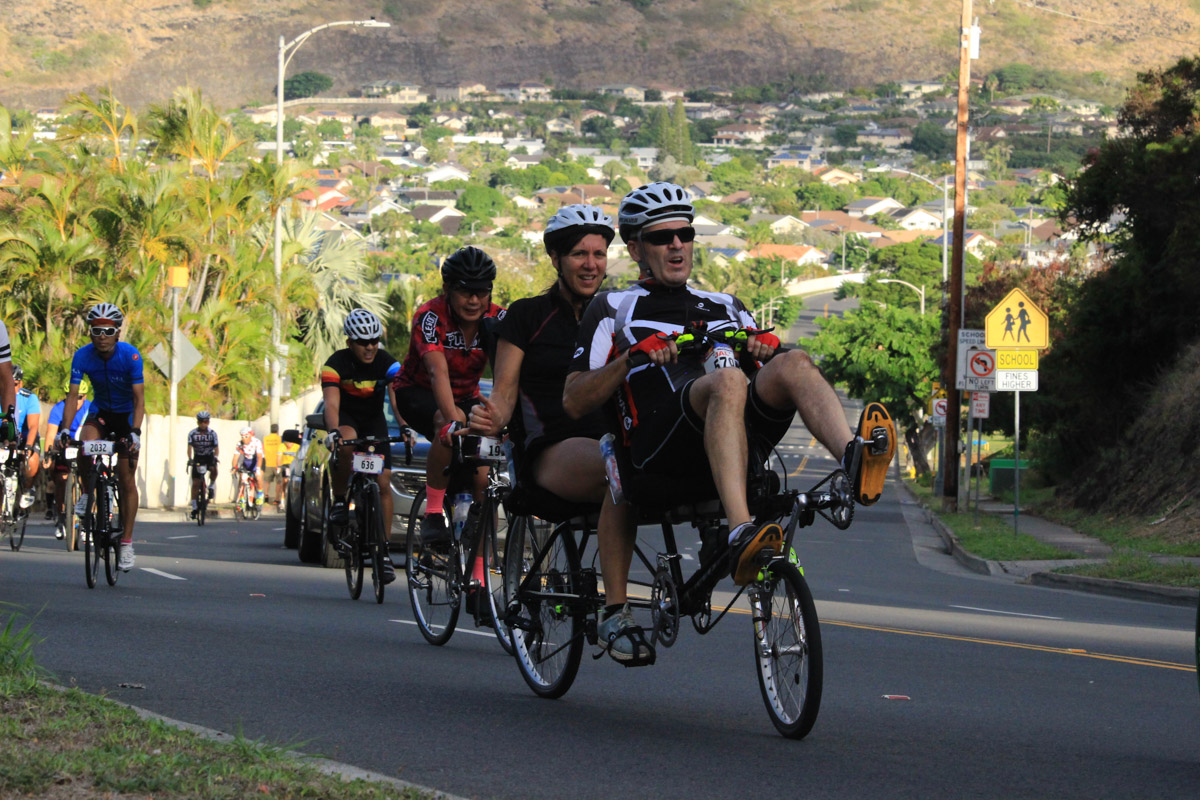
x,y
369,441
698,339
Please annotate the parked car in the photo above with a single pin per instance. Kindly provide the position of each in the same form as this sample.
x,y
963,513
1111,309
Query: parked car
x,y
307,496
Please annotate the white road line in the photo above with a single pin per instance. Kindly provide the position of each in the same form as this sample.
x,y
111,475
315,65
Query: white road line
x,y
188,536
1007,613
279,529
160,573
456,630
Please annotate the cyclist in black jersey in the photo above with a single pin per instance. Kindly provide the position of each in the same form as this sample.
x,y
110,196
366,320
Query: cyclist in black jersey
x,y
535,342
354,383
203,449
682,415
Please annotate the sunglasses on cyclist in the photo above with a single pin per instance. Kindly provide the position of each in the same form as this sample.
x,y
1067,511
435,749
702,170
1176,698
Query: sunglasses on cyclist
x,y
480,293
666,236
365,342
104,331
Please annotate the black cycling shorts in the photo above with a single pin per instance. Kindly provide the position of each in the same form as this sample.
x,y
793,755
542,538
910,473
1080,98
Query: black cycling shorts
x,y
209,461
671,440
365,429
418,407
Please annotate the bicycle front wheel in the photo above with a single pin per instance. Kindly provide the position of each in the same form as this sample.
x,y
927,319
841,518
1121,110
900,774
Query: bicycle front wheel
x,y
376,539
434,580
492,519
787,648
351,552
91,558
70,518
547,630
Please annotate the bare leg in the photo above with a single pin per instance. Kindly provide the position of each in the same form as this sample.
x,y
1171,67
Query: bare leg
x,y
720,398
792,380
129,496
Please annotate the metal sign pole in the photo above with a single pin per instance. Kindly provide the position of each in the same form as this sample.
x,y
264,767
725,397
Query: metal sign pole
x,y
1017,464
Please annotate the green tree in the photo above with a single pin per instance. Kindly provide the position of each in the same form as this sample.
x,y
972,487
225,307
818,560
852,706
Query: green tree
x,y
931,141
306,84
845,135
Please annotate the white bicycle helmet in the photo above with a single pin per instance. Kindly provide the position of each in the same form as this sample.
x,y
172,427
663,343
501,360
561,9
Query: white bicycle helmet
x,y
652,203
245,430
105,312
572,223
362,324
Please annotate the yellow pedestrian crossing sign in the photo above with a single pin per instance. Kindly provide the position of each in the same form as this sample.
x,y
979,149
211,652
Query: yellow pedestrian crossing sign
x,y
1016,322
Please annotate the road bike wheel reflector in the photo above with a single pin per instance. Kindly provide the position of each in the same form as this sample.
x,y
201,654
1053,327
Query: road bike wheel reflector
x,y
371,464
98,447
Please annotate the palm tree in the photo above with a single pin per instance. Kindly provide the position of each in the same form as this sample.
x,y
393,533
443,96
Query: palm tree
x,y
105,118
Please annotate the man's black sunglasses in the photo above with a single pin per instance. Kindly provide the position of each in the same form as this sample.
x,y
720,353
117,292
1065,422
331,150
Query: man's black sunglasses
x,y
665,236
365,342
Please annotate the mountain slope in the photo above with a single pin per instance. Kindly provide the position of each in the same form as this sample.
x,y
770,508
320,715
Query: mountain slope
x,y
145,49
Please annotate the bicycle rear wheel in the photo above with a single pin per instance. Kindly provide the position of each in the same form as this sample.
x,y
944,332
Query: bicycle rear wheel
x,y
491,519
107,540
547,631
16,536
434,580
787,647
91,558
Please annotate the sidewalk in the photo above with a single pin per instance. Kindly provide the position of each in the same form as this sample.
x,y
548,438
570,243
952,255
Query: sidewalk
x,y
223,512
1040,573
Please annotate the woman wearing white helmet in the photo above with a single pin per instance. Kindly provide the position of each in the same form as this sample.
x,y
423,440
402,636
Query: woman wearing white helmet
x,y
536,340
354,384
118,407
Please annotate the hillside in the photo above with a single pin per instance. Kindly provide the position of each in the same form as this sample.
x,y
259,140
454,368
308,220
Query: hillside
x,y
145,49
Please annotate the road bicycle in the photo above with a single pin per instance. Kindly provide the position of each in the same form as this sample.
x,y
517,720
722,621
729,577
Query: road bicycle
x,y
100,524
12,517
245,504
440,581
201,471
553,602
365,536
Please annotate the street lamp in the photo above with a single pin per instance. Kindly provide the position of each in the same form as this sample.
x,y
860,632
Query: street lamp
x,y
945,217
918,289
286,51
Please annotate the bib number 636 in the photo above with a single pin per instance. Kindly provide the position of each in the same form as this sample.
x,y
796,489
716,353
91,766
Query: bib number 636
x,y
371,464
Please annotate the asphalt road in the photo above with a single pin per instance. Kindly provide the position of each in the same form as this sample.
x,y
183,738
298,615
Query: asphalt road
x,y
938,682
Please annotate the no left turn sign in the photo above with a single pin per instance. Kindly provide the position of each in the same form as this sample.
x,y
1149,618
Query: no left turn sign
x,y
981,363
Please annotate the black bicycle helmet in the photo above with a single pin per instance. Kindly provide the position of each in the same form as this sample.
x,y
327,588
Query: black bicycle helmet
x,y
469,268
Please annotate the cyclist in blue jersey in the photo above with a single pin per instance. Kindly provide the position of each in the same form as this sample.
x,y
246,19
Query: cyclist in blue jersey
x,y
28,420
118,407
56,458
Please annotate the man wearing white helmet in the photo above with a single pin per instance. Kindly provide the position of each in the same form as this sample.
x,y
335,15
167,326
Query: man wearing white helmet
x,y
118,407
354,383
248,457
686,417
203,450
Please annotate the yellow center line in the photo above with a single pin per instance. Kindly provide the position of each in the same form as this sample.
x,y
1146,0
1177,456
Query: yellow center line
x,y
1065,651
803,462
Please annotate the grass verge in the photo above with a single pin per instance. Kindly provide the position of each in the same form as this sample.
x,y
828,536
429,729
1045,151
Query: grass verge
x,y
69,744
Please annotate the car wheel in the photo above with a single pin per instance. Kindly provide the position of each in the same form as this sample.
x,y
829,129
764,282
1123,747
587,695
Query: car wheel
x,y
292,523
312,541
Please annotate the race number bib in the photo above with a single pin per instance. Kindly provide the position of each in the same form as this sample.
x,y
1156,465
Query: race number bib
x,y
492,449
71,452
371,464
201,469
4,453
98,447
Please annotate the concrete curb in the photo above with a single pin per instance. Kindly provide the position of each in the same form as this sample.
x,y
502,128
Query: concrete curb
x,y
1148,592
1171,595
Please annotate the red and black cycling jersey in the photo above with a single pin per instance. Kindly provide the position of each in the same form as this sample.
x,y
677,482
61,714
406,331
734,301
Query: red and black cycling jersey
x,y
435,329
363,387
615,321
544,328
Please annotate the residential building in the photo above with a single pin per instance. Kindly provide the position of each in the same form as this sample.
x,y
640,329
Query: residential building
x,y
461,91
635,93
732,135
870,206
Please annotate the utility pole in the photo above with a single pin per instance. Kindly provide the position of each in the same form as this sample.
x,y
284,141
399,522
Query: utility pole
x,y
950,453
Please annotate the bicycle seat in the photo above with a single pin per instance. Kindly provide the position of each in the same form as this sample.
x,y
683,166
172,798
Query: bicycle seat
x,y
529,499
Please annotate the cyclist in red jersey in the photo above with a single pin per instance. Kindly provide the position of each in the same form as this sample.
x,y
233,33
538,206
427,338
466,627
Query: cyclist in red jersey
x,y
439,382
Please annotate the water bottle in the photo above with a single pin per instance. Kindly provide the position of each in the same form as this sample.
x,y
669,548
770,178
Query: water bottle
x,y
608,450
10,490
720,356
462,505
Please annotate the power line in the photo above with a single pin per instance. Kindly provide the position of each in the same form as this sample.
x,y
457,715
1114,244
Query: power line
x,y
1069,15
